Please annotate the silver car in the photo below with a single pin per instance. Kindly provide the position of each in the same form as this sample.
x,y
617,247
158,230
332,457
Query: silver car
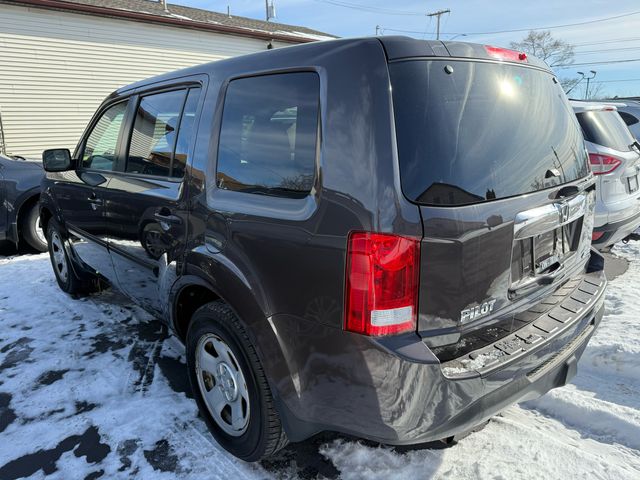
x,y
614,156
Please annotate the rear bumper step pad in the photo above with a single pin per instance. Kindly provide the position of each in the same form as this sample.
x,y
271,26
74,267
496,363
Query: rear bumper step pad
x,y
577,309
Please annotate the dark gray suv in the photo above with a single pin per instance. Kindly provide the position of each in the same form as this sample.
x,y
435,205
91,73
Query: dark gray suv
x,y
388,237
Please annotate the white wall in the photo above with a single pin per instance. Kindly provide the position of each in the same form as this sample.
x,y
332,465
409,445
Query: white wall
x,y
57,67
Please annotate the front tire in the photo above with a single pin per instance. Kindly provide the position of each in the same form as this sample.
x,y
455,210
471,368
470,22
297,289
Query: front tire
x,y
67,280
31,230
230,385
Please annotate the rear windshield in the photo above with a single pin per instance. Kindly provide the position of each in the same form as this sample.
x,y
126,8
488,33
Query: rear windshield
x,y
606,128
471,132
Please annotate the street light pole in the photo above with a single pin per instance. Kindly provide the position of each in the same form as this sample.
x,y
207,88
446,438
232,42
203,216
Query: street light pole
x,y
586,94
438,14
576,84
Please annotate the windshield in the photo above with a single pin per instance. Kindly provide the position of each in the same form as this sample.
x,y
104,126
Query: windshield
x,y
471,132
606,128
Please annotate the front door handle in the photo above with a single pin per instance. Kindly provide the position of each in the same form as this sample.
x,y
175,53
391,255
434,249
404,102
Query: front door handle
x,y
93,199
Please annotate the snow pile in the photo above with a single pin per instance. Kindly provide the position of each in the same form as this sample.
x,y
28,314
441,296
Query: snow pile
x,y
95,387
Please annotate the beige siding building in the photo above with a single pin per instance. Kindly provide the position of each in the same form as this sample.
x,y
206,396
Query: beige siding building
x,y
59,59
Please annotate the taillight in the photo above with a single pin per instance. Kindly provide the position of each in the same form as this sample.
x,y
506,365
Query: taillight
x,y
596,236
381,283
601,164
505,54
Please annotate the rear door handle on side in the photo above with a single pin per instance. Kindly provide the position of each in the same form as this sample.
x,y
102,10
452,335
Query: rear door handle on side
x,y
168,219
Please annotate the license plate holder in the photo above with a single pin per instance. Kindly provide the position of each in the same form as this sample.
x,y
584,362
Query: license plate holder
x,y
548,249
633,183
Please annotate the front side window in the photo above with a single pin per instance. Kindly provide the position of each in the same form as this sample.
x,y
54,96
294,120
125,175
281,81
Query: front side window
x,y
155,135
269,135
100,148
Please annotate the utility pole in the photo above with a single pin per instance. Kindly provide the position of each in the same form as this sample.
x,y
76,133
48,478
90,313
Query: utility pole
x,y
438,14
270,10
377,30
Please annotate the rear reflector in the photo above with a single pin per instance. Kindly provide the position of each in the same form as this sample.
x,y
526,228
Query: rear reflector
x,y
596,236
381,296
505,54
601,164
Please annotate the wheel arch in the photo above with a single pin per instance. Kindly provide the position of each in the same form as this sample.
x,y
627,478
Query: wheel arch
x,y
218,282
26,201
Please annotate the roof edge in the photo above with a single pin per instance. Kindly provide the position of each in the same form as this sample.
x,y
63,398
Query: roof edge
x,y
62,5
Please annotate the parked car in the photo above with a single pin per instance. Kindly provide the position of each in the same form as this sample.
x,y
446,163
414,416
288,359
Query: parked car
x,y
19,193
614,155
397,263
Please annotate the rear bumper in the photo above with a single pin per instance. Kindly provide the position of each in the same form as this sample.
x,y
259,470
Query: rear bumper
x,y
394,390
616,231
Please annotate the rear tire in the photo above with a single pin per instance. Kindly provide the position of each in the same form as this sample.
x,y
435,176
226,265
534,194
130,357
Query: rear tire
x,y
63,270
247,425
31,230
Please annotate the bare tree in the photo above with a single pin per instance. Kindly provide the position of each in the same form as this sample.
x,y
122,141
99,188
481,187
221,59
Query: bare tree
x,y
596,91
553,51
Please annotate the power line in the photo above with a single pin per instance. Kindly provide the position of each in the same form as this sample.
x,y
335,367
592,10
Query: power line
x,y
620,49
606,62
385,29
370,8
551,27
616,40
618,81
558,26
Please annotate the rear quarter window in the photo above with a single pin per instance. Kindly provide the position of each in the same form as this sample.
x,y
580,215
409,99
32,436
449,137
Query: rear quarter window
x,y
606,128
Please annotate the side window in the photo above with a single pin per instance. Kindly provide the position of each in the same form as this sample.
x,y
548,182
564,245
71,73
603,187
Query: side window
x,y
628,118
185,133
100,147
269,134
155,134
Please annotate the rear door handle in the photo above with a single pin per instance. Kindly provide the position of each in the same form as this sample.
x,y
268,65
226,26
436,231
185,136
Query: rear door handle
x,y
168,219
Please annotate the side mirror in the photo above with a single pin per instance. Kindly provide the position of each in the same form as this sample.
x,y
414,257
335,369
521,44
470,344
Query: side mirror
x,y
57,160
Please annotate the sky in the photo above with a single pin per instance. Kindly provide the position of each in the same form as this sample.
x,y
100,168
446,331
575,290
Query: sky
x,y
598,41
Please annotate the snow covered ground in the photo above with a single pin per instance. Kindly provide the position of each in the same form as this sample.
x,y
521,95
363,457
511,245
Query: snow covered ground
x,y
95,388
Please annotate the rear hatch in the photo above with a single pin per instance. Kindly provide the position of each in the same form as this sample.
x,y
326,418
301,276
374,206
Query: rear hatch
x,y
613,153
492,153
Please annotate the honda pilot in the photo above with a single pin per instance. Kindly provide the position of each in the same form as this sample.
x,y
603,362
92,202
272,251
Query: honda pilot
x,y
383,237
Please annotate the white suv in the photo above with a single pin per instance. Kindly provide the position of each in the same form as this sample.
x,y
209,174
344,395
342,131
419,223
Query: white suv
x,y
614,156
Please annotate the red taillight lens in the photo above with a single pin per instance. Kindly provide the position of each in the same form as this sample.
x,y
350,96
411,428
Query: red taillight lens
x,y
601,164
596,236
505,54
381,283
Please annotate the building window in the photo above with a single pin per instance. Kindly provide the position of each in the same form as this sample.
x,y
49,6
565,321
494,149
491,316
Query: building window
x,y
269,135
